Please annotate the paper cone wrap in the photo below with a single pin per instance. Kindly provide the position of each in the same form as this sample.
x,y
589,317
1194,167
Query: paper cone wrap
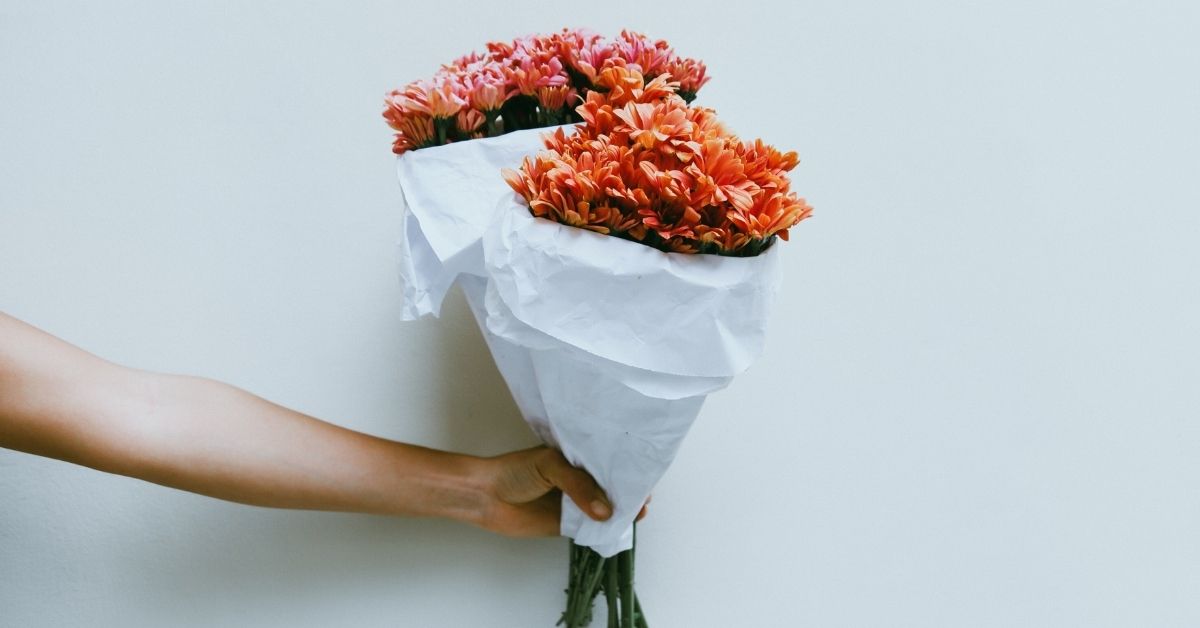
x,y
608,346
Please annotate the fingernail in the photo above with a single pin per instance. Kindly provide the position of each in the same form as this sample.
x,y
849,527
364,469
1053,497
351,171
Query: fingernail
x,y
601,509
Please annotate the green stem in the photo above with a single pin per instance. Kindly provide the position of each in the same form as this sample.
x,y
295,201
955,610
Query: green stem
x,y
493,128
625,560
575,580
441,124
639,616
575,600
611,593
585,588
590,590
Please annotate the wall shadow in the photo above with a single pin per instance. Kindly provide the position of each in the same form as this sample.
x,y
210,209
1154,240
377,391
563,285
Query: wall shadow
x,y
480,416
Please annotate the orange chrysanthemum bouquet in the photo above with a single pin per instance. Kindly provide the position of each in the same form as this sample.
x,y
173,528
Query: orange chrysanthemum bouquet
x,y
629,276
646,167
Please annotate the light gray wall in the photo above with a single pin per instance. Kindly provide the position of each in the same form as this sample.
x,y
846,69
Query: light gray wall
x,y
979,404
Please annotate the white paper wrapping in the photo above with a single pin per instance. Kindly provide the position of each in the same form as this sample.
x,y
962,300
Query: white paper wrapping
x,y
608,347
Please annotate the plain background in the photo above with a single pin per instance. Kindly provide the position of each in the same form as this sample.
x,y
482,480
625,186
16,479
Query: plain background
x,y
978,406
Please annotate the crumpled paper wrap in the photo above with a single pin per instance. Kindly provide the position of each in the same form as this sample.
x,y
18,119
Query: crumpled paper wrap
x,y
608,347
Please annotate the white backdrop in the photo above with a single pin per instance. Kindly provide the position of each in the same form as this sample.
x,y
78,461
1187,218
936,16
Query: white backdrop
x,y
979,404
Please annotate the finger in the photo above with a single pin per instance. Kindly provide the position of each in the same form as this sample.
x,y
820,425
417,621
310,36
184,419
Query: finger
x,y
576,483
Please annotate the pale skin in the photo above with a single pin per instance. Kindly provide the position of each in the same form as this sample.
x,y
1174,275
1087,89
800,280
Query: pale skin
x,y
203,436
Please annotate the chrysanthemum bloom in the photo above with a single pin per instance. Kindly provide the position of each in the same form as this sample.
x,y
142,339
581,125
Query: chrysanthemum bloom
x,y
767,166
488,90
587,56
650,57
555,98
691,75
662,127
530,74
413,131
625,84
772,214
720,177
468,121
434,99
444,101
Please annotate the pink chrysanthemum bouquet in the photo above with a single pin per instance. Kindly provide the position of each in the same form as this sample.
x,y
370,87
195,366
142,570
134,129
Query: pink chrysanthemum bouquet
x,y
620,266
535,81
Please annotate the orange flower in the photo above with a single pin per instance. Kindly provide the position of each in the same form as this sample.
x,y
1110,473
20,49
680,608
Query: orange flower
x,y
721,238
773,213
625,84
469,120
649,125
720,176
648,168
415,131
672,185
555,98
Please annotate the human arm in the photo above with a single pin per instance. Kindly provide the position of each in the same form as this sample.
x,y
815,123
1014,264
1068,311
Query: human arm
x,y
211,438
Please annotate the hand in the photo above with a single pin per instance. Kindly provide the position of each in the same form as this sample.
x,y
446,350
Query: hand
x,y
525,493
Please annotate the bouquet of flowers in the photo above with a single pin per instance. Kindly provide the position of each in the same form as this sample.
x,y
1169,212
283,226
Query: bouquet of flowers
x,y
619,274
533,82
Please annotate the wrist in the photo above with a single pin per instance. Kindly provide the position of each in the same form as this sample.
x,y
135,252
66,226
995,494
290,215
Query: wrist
x,y
454,486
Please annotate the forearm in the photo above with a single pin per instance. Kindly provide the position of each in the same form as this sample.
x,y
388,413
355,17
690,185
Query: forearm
x,y
210,438
214,439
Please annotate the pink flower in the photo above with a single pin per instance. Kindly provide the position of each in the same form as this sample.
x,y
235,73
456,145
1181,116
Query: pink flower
x,y
445,101
471,59
488,90
691,74
589,57
562,72
437,100
530,74
650,57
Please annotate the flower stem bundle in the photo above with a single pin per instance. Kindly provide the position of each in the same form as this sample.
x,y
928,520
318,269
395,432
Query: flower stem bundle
x,y
591,574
